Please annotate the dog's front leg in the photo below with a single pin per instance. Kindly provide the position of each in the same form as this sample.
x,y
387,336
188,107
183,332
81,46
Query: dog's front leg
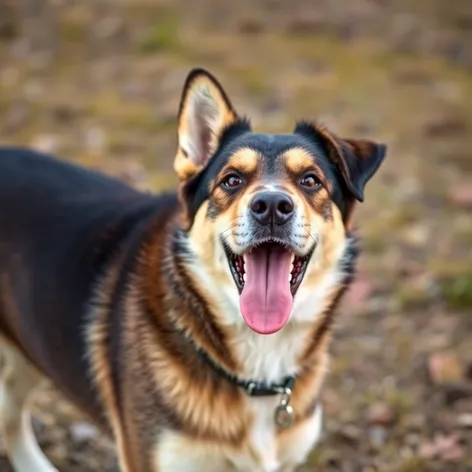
x,y
176,453
18,381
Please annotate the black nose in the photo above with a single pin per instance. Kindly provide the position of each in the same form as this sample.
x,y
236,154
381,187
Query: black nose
x,y
272,208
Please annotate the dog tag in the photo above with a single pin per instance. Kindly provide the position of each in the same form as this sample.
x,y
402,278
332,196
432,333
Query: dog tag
x,y
284,412
283,415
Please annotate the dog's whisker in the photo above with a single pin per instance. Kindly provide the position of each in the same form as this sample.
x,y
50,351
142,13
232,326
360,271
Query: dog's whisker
x,y
312,237
229,229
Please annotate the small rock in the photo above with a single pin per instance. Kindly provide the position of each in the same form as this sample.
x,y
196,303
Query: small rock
x,y
417,234
380,414
465,420
83,431
444,368
461,195
378,436
95,140
47,143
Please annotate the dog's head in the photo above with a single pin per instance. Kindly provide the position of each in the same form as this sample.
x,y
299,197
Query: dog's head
x,y
265,215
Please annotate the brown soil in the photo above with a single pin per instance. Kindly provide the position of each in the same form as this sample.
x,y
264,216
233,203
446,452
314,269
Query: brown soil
x,y
99,84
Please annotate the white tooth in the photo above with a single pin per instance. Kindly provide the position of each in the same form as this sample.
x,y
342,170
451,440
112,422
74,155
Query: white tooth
x,y
292,258
244,277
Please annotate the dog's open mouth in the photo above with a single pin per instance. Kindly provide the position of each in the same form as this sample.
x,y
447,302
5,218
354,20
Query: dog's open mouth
x,y
268,277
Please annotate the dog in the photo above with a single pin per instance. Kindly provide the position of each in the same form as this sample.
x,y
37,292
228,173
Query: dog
x,y
192,327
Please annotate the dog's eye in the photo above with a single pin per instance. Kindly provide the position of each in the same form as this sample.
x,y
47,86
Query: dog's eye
x,y
232,181
310,181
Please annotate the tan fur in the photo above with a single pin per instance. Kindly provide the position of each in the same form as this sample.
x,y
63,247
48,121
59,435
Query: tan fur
x,y
200,88
211,410
98,339
298,161
333,235
245,160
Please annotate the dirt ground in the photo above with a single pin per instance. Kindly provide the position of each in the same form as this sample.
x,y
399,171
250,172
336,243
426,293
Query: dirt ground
x,y
98,83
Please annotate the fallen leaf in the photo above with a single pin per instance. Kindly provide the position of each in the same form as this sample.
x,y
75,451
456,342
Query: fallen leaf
x,y
444,368
443,447
461,195
380,414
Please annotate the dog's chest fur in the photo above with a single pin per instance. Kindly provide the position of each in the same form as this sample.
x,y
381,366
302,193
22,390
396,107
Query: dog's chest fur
x,y
267,358
265,449
272,358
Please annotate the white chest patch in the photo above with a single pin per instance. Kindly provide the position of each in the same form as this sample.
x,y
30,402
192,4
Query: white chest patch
x,y
177,453
269,359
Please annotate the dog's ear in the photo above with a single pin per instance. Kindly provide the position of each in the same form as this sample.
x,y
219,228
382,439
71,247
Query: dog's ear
x,y
357,160
205,112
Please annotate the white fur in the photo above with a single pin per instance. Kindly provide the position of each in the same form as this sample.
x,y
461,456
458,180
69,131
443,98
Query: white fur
x,y
202,114
271,188
273,357
270,358
302,441
19,380
311,303
176,453
303,236
179,454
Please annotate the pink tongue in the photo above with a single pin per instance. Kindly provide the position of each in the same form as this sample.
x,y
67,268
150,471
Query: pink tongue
x,y
266,300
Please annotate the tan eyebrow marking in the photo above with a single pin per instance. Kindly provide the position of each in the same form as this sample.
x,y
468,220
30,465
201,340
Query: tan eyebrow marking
x,y
245,159
297,160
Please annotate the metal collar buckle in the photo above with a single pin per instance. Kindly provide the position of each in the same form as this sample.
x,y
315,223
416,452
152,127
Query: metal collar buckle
x,y
284,412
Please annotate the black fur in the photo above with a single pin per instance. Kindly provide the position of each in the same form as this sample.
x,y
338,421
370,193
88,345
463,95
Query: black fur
x,y
353,167
59,227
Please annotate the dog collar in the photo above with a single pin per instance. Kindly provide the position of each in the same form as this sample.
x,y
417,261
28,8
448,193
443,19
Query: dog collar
x,y
283,414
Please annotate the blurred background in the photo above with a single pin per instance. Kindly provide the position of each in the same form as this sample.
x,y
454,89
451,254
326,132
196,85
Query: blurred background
x,y
98,82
